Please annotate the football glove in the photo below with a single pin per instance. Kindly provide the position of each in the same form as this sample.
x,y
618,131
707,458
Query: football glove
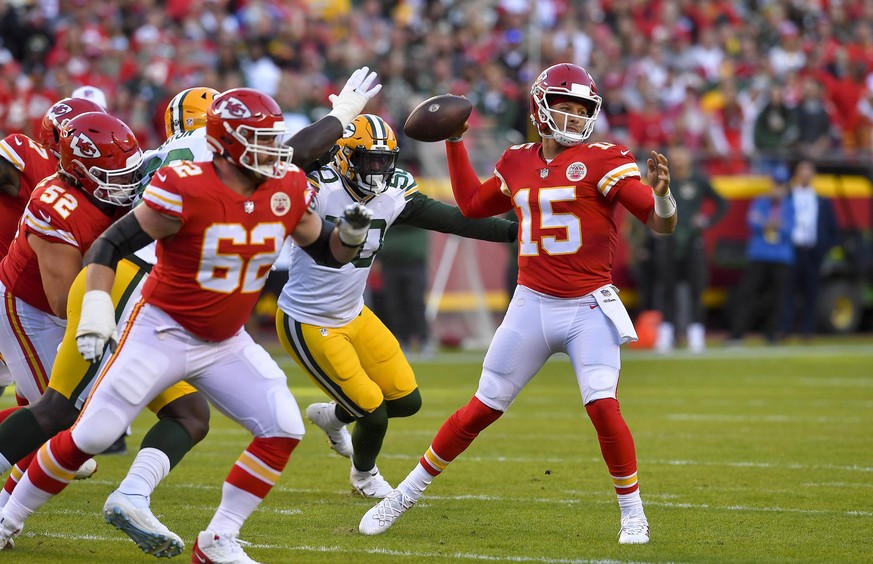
x,y
96,331
354,96
354,225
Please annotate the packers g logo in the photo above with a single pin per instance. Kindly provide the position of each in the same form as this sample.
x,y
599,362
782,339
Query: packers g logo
x,y
232,108
83,147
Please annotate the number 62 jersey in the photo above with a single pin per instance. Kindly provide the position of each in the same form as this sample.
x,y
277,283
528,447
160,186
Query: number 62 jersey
x,y
210,274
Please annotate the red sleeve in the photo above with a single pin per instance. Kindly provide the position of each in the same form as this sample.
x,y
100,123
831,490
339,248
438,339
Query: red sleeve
x,y
474,198
636,197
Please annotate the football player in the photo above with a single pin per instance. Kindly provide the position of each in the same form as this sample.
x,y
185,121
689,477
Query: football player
x,y
564,192
219,226
322,321
23,164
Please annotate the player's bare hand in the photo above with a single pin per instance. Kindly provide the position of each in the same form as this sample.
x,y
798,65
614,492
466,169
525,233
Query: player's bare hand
x,y
458,133
354,224
658,173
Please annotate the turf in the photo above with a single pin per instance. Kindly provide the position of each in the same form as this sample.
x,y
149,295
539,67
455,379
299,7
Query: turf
x,y
745,455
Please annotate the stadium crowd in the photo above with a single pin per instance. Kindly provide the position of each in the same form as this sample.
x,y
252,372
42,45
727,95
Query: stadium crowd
x,y
739,83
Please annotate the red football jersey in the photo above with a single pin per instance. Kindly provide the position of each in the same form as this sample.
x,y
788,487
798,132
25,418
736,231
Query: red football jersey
x,y
34,162
210,274
565,208
58,213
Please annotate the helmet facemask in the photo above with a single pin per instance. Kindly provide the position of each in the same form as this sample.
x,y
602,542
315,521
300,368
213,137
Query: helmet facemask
x,y
264,154
373,169
558,121
116,187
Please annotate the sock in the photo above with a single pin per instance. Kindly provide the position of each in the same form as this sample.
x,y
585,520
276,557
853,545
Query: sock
x,y
367,437
415,482
249,482
616,444
56,464
20,435
456,434
148,469
630,503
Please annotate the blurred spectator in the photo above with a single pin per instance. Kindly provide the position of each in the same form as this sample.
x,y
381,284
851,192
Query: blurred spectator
x,y
681,257
814,124
776,130
770,255
814,233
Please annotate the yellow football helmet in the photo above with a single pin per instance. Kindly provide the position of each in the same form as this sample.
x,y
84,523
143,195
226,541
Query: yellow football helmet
x,y
187,110
367,154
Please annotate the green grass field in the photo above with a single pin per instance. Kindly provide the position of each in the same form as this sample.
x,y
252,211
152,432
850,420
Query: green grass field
x,y
745,455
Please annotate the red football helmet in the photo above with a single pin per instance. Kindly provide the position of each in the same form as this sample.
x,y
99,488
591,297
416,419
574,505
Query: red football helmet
x,y
58,115
100,154
246,126
566,81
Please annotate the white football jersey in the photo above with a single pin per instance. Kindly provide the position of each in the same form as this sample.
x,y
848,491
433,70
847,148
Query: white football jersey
x,y
333,297
183,146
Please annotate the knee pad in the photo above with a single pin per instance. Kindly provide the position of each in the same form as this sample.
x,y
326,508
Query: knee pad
x,y
98,428
286,414
597,381
496,392
134,376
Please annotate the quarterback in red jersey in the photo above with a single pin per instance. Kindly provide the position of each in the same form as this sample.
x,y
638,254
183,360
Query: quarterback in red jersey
x,y
219,226
564,193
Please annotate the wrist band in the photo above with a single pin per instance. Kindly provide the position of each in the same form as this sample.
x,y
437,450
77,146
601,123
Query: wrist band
x,y
665,206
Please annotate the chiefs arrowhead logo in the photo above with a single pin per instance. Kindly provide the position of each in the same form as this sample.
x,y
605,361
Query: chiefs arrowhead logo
x,y
83,147
60,110
232,108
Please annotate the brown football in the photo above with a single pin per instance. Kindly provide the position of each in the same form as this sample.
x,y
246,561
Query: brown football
x,y
437,118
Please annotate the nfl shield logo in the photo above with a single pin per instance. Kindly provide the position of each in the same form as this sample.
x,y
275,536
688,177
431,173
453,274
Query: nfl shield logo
x,y
249,207
606,292
544,172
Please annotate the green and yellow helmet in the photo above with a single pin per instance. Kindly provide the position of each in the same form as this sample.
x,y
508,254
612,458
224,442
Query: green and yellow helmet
x,y
187,110
367,154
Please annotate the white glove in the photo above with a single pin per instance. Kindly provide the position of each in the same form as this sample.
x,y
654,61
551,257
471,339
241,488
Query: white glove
x,y
354,225
354,96
96,328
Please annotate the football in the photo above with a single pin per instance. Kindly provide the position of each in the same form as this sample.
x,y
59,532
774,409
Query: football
x,y
437,118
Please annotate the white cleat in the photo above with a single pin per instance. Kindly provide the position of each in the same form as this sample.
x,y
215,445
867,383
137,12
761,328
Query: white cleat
x,y
381,516
86,470
634,529
219,548
324,416
7,533
132,516
370,483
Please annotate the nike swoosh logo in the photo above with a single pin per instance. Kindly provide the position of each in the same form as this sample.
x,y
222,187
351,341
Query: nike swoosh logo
x,y
161,177
45,218
593,307
18,142
200,558
624,153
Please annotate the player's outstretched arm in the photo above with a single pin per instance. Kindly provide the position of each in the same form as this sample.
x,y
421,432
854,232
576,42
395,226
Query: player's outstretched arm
x,y
313,141
334,244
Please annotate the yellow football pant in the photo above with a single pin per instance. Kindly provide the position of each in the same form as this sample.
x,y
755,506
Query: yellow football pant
x,y
359,365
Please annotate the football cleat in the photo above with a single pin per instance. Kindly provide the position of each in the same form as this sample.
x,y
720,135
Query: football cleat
x,y
7,533
634,529
323,415
132,516
86,470
369,483
381,516
219,548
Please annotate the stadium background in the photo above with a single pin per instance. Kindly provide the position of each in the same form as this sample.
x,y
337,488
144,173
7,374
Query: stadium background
x,y
695,73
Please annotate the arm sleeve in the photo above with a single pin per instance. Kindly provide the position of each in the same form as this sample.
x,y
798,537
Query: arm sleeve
x,y
427,213
636,197
122,238
475,199
314,141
